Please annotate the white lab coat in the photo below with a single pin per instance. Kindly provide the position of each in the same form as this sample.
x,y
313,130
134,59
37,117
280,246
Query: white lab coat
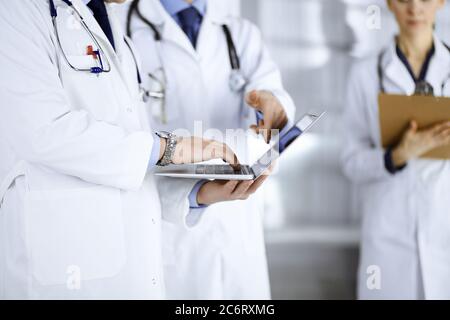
x,y
406,220
224,256
78,218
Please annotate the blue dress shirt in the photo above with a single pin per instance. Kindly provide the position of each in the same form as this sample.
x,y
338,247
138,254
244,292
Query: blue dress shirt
x,y
174,6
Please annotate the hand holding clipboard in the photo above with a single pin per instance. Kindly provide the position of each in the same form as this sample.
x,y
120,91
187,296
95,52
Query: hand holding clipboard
x,y
418,125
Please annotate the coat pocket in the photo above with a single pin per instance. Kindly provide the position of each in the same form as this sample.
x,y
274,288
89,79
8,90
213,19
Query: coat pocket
x,y
99,94
75,233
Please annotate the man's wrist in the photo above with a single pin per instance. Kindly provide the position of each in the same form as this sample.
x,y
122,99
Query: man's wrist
x,y
162,147
169,147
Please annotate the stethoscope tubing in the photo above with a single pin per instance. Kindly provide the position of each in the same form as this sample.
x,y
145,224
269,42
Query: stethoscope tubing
x,y
232,52
94,70
380,72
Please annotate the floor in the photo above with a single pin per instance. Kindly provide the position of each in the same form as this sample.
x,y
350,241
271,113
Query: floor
x,y
317,271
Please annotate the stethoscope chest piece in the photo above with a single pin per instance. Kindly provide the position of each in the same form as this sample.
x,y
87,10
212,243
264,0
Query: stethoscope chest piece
x,y
98,55
423,88
237,81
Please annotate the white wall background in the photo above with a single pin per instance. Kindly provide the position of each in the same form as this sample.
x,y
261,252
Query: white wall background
x,y
312,214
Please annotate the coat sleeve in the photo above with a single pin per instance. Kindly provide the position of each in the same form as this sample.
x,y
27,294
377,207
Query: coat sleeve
x,y
37,119
362,160
259,67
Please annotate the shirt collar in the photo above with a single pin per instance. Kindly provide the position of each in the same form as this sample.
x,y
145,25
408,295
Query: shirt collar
x,y
86,1
175,6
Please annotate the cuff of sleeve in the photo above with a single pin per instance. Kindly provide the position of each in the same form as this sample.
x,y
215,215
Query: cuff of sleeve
x,y
389,163
135,162
259,116
154,156
193,204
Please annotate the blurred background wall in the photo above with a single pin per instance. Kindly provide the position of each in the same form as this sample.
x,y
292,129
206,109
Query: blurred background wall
x,y
312,217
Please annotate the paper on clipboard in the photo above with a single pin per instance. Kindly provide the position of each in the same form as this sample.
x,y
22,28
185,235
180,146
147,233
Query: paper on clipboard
x,y
396,112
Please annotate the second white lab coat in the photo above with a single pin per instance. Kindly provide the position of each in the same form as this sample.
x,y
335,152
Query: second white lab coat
x,y
406,217
79,219
224,257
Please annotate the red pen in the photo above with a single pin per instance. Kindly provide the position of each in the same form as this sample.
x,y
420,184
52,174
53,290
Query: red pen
x,y
91,52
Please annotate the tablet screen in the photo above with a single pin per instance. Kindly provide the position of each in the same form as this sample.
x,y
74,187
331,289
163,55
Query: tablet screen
x,y
284,142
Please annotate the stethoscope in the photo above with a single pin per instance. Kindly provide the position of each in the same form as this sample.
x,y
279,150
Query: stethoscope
x,y
99,53
237,81
423,88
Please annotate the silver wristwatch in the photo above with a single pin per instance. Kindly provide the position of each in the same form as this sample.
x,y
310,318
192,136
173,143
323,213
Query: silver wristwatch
x,y
171,143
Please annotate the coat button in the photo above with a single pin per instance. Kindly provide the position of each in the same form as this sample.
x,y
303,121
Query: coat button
x,y
129,110
153,221
154,281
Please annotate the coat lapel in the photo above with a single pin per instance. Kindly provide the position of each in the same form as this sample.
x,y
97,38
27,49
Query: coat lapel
x,y
439,68
213,19
119,56
396,72
93,26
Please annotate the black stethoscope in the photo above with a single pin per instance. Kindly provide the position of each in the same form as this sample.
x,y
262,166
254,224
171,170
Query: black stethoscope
x,y
423,88
96,54
237,81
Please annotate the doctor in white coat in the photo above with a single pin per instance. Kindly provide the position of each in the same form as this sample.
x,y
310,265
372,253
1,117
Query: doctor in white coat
x,y
405,203
79,218
224,257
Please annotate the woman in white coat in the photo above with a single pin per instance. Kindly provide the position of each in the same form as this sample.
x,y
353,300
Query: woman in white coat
x,y
224,257
405,204
79,219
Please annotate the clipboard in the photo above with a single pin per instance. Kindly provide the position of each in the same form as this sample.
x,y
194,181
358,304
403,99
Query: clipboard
x,y
397,111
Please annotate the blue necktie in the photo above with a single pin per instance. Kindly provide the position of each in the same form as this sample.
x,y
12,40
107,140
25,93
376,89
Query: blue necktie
x,y
98,8
190,20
